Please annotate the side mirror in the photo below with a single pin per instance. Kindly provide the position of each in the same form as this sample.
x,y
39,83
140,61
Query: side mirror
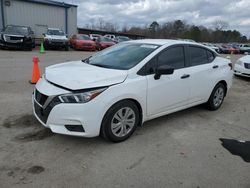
x,y
163,70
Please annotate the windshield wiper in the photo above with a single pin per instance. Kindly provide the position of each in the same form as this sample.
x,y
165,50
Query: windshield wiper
x,y
103,66
86,60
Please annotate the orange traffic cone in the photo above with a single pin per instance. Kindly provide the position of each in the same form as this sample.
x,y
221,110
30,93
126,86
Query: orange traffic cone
x,y
35,71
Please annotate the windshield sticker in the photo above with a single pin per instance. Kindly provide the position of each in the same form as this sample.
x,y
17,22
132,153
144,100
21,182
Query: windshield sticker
x,y
149,46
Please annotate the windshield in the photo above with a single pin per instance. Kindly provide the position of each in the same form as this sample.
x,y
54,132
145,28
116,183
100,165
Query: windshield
x,y
55,32
16,29
123,38
122,56
83,37
105,39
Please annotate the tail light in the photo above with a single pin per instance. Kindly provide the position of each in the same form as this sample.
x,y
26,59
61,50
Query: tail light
x,y
230,65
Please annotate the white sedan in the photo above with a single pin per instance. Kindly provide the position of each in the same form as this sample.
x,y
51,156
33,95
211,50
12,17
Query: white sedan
x,y
242,66
118,89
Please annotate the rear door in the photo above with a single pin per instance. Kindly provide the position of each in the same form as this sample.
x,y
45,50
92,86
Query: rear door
x,y
203,72
170,91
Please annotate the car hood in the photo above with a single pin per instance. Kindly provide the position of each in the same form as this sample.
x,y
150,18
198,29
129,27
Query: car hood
x,y
56,37
77,75
85,41
245,59
13,33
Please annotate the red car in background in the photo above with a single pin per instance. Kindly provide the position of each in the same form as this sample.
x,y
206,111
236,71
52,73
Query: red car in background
x,y
228,49
82,42
103,42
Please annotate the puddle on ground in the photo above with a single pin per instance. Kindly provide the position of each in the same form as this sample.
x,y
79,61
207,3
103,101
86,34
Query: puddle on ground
x,y
237,147
35,169
23,121
34,135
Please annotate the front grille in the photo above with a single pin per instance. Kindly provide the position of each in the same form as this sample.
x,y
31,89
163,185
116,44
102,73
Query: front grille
x,y
58,43
13,39
40,98
43,113
247,65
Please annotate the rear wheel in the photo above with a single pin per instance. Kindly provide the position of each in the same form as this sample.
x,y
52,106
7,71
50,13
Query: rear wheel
x,y
217,97
120,121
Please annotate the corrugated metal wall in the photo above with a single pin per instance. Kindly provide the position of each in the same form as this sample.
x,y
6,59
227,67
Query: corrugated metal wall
x,y
72,20
39,16
1,21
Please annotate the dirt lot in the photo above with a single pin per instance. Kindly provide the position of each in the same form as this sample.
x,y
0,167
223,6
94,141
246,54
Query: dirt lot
x,y
179,150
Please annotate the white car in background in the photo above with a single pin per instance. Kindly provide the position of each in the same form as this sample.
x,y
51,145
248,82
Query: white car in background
x,y
212,46
55,38
112,37
242,66
119,88
94,37
244,48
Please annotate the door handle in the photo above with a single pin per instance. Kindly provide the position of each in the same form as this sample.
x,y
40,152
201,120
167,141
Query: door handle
x,y
215,66
185,76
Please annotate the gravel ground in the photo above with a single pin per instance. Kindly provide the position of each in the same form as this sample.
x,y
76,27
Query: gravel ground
x,y
179,150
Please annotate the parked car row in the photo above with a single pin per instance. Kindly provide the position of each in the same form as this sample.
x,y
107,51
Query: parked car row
x,y
229,48
22,37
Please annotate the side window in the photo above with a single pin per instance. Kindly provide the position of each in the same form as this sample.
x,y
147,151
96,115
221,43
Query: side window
x,y
210,56
173,56
198,56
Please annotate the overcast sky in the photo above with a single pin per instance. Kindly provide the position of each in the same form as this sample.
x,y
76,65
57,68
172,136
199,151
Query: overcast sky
x,y
141,12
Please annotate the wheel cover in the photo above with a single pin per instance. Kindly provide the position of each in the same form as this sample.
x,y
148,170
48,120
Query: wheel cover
x,y
123,121
218,97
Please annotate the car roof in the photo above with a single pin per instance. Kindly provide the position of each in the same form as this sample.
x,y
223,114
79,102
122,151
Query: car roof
x,y
168,42
162,42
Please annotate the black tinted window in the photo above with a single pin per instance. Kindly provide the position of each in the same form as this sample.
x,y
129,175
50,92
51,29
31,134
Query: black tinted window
x,y
173,57
198,56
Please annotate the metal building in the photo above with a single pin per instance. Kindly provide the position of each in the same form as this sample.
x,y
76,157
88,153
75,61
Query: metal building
x,y
39,15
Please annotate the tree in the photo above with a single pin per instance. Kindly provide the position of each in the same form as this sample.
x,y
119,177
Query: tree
x,y
154,26
220,25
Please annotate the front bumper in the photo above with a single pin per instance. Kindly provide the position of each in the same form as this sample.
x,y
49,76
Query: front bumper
x,y
82,47
241,71
69,119
56,44
19,45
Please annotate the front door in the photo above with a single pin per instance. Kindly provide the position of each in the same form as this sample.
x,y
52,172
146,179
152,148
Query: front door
x,y
170,91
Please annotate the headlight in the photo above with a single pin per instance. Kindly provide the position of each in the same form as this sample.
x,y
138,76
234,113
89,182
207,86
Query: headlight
x,y
81,97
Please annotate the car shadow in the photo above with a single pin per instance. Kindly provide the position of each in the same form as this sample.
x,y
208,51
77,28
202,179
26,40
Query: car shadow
x,y
237,147
242,78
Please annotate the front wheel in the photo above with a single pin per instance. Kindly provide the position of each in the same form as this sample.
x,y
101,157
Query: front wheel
x,y
120,121
217,97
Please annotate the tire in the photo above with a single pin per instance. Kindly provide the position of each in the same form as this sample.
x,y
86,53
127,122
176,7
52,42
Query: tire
x,y
66,48
217,97
115,125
